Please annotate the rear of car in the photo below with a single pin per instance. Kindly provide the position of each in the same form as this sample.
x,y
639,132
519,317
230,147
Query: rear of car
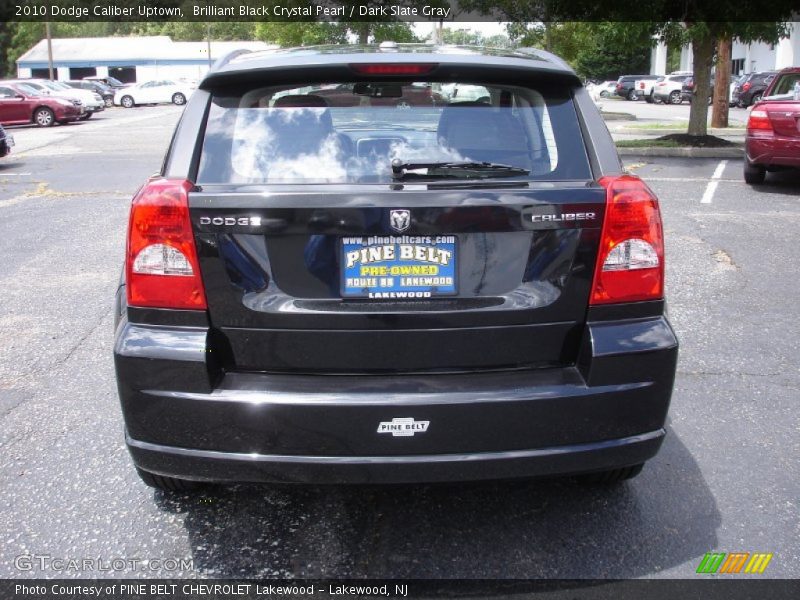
x,y
626,86
376,293
772,142
667,89
749,90
687,90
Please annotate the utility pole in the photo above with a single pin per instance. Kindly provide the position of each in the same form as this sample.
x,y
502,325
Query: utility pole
x,y
208,41
719,110
49,48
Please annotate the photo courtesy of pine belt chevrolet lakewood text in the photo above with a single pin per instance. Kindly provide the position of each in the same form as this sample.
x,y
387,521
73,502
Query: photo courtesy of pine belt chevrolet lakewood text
x,y
391,264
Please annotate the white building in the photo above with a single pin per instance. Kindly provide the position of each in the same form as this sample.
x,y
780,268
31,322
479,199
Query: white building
x,y
745,58
129,59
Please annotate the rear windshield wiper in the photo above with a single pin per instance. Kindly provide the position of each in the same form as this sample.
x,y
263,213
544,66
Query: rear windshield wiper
x,y
462,170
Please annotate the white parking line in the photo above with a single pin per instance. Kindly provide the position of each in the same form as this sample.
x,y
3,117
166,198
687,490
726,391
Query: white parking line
x,y
712,185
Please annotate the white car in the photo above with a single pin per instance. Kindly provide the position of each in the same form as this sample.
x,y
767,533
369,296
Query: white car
x,y
159,91
603,90
668,89
455,92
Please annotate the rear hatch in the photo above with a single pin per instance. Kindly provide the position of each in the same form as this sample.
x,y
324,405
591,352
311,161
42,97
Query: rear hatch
x,y
475,251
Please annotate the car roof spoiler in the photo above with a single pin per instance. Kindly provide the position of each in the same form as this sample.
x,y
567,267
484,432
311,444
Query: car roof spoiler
x,y
224,60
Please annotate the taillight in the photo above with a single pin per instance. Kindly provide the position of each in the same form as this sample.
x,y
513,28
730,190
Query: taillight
x,y
759,121
630,261
394,69
161,262
746,86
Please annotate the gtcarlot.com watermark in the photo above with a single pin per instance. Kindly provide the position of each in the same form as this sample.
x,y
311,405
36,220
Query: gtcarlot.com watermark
x,y
56,564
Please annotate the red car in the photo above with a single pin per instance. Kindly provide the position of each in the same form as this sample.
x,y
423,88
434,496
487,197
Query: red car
x,y
20,104
773,129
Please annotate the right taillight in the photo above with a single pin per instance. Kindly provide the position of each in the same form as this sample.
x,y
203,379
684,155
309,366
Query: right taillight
x,y
759,121
630,261
161,266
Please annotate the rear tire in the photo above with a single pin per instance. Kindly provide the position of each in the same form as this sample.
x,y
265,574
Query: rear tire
x,y
168,484
613,476
754,174
633,96
675,97
86,117
127,102
178,99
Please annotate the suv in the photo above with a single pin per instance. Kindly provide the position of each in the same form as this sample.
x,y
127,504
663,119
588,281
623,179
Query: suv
x,y
687,90
773,128
750,90
373,294
668,89
626,85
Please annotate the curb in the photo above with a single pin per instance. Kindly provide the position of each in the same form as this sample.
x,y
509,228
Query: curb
x,y
617,116
644,132
683,152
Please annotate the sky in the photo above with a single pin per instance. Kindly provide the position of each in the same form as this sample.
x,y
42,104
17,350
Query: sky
x,y
423,28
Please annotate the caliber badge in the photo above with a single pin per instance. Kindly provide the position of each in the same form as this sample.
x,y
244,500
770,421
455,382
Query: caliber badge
x,y
405,427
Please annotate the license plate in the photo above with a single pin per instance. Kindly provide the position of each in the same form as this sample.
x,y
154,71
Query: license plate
x,y
387,267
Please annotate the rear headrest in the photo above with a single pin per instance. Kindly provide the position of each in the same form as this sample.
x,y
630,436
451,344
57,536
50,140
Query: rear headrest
x,y
300,101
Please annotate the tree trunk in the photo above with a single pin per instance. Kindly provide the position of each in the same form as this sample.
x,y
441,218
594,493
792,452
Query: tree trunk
x,y
363,33
722,80
703,52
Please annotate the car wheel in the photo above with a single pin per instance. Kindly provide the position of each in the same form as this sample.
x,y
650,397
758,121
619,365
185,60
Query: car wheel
x,y
109,102
604,94
657,100
168,484
649,99
178,99
127,102
675,97
86,117
632,95
754,174
756,97
613,475
403,104
44,117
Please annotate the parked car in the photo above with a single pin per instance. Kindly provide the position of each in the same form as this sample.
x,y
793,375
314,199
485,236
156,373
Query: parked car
x,y
345,94
111,82
89,101
687,90
644,89
667,89
102,90
21,104
750,90
626,85
6,141
604,90
317,294
160,91
772,142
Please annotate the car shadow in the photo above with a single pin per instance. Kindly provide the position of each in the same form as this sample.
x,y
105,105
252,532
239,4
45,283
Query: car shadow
x,y
780,182
512,529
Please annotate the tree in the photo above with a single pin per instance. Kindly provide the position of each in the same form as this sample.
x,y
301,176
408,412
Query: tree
x,y
606,55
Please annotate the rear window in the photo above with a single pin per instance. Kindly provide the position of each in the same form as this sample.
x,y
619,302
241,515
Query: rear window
x,y
349,132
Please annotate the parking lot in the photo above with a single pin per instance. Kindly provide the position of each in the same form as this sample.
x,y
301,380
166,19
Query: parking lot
x,y
727,478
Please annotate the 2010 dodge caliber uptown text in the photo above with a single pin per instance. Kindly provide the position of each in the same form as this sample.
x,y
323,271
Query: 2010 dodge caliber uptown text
x,y
392,291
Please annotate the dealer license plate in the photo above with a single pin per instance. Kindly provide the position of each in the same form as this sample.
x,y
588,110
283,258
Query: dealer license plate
x,y
387,267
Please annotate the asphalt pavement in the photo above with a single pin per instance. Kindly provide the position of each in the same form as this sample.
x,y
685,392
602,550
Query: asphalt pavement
x,y
726,480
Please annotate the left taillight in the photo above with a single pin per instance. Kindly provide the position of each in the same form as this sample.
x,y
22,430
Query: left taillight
x,y
630,260
759,121
161,263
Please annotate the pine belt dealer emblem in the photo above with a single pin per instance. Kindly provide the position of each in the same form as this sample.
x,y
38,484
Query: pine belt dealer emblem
x,y
405,427
400,220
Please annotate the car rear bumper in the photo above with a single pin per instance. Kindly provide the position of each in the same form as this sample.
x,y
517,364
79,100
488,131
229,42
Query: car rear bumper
x,y
185,419
775,150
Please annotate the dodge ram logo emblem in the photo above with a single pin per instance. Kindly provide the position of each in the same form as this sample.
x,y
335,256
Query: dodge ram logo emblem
x,y
404,427
400,220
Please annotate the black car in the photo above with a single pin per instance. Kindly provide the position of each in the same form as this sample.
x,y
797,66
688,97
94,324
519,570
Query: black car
x,y
687,90
105,92
749,90
6,142
375,294
626,86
